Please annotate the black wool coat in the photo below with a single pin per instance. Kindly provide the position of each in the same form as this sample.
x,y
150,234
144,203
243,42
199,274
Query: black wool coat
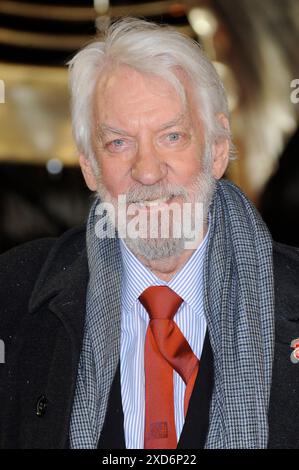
x,y
42,311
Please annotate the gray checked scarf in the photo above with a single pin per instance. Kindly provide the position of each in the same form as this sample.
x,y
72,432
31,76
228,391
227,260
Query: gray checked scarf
x,y
239,309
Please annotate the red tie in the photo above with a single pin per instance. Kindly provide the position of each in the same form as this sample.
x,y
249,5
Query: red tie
x,y
166,349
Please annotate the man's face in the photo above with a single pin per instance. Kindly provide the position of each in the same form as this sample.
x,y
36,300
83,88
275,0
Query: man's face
x,y
148,145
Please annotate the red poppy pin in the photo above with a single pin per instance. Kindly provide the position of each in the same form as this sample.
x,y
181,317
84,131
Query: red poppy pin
x,y
295,354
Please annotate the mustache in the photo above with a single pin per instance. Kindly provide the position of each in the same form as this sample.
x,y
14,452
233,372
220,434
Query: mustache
x,y
139,193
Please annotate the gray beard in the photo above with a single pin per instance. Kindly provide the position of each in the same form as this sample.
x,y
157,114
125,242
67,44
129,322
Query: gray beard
x,y
158,247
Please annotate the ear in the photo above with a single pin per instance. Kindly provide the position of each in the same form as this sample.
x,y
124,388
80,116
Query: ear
x,y
220,150
88,172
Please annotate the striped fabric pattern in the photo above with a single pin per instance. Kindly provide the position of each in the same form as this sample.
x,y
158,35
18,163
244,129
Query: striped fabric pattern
x,y
188,284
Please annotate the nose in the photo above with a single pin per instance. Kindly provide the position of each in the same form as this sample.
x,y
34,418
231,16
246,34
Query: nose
x,y
148,168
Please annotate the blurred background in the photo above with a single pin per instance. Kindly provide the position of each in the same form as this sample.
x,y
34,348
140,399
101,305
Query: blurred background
x,y
254,46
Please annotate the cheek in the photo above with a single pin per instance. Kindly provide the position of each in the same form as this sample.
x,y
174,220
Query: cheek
x,y
115,176
187,168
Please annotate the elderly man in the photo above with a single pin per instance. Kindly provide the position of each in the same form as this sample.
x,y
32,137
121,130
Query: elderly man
x,y
171,319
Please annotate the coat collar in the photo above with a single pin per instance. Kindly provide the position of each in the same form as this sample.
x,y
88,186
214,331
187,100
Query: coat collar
x,y
61,287
64,273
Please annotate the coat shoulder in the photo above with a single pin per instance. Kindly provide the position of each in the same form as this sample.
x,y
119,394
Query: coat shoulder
x,y
286,280
22,264
286,258
20,269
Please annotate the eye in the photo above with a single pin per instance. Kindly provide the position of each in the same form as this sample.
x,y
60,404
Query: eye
x,y
117,142
115,145
175,140
174,136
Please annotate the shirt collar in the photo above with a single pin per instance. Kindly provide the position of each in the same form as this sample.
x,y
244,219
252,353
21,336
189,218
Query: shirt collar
x,y
187,282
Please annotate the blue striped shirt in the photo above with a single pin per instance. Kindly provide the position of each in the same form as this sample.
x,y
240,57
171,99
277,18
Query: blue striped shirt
x,y
187,283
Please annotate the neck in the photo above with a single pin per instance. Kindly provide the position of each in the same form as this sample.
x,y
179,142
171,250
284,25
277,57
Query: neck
x,y
166,268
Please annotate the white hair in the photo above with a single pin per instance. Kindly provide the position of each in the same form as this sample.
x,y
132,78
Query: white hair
x,y
149,49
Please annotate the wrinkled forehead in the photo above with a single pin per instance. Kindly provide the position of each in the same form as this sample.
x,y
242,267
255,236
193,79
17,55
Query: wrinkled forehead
x,y
123,91
114,76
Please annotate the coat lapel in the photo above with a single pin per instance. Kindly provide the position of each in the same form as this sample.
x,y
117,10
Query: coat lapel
x,y
61,290
55,327
196,426
113,435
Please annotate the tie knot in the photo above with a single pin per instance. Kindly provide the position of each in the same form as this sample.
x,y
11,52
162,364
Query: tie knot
x,y
161,302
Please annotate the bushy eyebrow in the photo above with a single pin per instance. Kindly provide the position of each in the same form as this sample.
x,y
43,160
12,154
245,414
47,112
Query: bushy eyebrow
x,y
115,130
174,122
